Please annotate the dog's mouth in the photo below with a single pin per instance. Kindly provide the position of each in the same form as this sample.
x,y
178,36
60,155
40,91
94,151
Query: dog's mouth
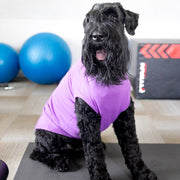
x,y
101,54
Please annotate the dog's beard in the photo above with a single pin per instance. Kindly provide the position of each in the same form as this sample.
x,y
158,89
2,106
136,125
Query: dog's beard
x,y
107,61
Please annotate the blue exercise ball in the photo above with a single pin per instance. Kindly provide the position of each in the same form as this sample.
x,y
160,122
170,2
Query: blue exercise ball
x,y
9,65
45,58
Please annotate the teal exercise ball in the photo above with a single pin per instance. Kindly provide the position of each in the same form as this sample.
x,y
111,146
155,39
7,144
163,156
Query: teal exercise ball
x,y
9,65
45,58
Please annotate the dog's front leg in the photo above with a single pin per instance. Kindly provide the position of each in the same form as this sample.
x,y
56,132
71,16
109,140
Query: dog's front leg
x,y
125,130
89,125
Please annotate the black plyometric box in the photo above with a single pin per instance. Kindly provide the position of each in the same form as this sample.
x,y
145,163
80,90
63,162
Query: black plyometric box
x,y
155,68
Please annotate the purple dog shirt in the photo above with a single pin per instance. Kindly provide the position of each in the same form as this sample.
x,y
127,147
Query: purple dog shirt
x,y
58,114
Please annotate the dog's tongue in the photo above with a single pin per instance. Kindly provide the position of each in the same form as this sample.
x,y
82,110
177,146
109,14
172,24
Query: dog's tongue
x,y
101,55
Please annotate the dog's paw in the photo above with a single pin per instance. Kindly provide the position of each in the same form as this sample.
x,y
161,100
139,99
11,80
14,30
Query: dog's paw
x,y
61,164
146,175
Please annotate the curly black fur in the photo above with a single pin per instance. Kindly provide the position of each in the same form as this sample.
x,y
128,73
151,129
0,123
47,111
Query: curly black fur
x,y
125,130
89,125
107,21
55,150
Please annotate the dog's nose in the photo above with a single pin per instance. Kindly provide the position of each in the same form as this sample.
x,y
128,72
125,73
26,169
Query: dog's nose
x,y
97,36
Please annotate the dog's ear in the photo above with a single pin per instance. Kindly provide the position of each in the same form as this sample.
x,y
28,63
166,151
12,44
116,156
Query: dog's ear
x,y
130,19
95,6
86,20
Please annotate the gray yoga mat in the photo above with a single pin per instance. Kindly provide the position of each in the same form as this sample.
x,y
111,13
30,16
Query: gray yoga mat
x,y
163,159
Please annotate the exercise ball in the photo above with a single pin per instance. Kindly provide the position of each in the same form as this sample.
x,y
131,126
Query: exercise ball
x,y
45,58
9,65
4,171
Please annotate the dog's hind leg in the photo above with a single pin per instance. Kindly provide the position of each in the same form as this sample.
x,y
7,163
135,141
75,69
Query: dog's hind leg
x,y
125,130
50,151
89,125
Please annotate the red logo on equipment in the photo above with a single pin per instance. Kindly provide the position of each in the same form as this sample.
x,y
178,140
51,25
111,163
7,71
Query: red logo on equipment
x,y
163,51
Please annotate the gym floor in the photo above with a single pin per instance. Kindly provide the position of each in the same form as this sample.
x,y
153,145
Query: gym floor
x,y
157,121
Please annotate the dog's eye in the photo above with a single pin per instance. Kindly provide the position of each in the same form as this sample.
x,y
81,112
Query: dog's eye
x,y
113,17
111,14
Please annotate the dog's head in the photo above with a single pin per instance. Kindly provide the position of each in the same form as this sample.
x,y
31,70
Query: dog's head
x,y
105,48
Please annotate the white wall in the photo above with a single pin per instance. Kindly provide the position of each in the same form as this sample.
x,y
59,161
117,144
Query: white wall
x,y
20,19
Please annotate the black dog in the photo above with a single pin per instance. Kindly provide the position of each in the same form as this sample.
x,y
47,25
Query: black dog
x,y
105,57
